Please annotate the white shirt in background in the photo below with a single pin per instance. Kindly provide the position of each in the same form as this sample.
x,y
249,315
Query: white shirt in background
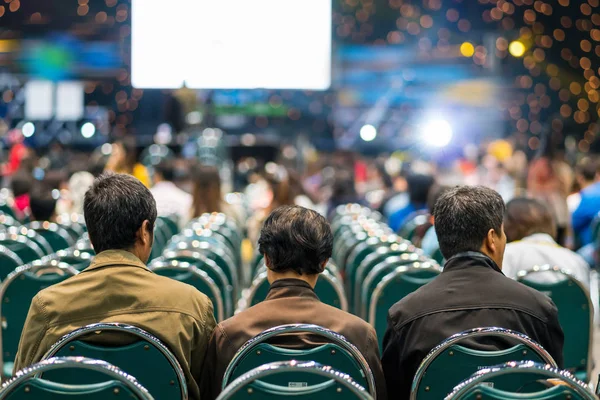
x,y
540,249
172,200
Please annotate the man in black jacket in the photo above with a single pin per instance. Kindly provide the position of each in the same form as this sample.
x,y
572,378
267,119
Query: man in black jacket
x,y
471,292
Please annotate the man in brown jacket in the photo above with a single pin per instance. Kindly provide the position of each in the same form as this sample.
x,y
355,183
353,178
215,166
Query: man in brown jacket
x,y
118,287
296,244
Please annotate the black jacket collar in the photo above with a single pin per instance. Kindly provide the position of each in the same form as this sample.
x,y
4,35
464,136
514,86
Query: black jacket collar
x,y
470,259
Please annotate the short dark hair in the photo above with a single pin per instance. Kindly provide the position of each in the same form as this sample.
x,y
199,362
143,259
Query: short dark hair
x,y
114,209
418,187
464,215
42,204
21,183
434,194
296,238
588,169
525,217
166,169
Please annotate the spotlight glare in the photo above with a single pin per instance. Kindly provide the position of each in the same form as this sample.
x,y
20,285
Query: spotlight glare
x,y
28,129
517,48
467,49
437,133
88,130
368,133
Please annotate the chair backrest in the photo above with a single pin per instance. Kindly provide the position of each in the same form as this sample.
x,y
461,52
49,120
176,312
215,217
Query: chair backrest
x,y
450,363
78,259
115,383
497,383
392,288
575,314
16,293
145,357
188,273
336,385
415,225
22,246
170,223
337,353
9,261
57,236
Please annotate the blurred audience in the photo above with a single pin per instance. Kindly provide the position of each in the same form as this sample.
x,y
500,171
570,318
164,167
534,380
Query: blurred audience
x,y
21,184
170,199
531,231
587,174
470,292
418,190
42,204
429,243
123,160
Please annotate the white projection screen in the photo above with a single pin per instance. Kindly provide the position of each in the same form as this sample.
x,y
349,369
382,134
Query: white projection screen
x,y
231,44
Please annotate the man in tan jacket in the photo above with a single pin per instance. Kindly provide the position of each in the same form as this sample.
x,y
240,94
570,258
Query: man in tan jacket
x,y
118,287
296,243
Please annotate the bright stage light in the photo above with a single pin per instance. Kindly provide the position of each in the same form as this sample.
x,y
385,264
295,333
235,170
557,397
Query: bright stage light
x,y
467,49
516,48
368,133
437,133
88,130
28,129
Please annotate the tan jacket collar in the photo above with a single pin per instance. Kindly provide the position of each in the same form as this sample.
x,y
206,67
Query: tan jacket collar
x,y
110,258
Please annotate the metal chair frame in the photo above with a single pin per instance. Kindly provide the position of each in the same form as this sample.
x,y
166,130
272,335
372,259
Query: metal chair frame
x,y
103,367
22,240
52,227
548,268
123,328
473,333
332,336
551,371
184,266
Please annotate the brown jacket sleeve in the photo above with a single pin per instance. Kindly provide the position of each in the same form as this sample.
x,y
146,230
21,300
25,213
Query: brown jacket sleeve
x,y
203,331
31,349
219,354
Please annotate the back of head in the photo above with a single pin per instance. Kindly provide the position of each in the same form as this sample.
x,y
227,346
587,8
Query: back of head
x,y
166,170
115,208
42,204
463,217
296,239
525,217
435,193
588,169
207,190
21,183
418,187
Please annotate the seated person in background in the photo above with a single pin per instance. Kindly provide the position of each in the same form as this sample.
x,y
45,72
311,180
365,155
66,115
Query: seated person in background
x,y
42,205
21,184
471,292
587,174
418,190
530,231
429,243
118,287
296,243
169,198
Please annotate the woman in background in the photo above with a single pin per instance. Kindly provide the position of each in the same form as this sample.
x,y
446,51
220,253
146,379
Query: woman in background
x,y
123,160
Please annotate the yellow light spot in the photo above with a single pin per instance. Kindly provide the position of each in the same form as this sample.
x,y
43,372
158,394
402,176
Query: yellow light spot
x,y
516,48
467,49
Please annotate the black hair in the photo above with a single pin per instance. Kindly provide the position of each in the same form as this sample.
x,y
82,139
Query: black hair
x,y
525,217
418,187
588,169
114,209
296,238
434,194
464,215
42,204
166,169
21,183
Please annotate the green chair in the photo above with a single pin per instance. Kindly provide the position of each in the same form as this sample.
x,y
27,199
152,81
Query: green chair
x,y
38,239
73,223
9,261
170,223
415,226
355,277
77,259
251,385
498,383
575,314
22,246
6,208
8,220
57,236
392,288
210,267
115,383
145,357
425,268
194,276
450,363
335,352
16,293
85,245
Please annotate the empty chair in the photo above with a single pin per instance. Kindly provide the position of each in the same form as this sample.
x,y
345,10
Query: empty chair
x,y
74,224
575,314
170,222
127,347
57,236
115,383
396,285
22,246
8,220
415,227
34,236
16,293
509,375
192,275
9,261
338,384
452,362
78,259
